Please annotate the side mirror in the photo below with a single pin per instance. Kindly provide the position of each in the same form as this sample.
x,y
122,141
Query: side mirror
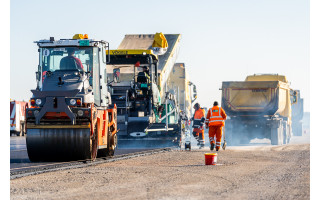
x,y
116,75
104,57
294,96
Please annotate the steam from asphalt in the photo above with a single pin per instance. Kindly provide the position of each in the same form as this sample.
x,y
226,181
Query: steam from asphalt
x,y
257,139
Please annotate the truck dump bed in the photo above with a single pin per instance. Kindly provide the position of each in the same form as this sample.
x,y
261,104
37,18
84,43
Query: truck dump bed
x,y
252,98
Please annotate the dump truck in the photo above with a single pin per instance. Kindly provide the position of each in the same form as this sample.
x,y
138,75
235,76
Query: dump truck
x,y
71,116
18,117
259,107
297,115
151,92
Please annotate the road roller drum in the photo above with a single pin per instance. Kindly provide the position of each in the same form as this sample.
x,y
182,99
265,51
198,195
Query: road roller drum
x,y
60,144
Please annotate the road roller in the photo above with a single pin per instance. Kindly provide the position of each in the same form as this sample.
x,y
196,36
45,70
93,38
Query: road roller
x,y
71,116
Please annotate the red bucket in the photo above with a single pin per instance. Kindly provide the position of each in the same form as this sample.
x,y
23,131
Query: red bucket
x,y
211,158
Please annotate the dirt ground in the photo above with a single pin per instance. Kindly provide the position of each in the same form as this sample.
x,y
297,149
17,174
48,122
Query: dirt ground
x,y
265,172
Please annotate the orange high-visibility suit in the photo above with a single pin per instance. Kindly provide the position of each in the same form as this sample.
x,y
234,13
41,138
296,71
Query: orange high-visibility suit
x,y
198,133
215,120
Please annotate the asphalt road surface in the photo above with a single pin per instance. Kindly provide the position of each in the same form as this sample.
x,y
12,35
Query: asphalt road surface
x,y
19,159
255,171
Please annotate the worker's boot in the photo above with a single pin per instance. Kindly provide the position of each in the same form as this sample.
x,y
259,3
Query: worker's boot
x,y
198,142
212,146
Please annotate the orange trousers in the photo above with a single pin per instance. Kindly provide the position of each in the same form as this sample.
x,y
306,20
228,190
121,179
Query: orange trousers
x,y
198,134
215,132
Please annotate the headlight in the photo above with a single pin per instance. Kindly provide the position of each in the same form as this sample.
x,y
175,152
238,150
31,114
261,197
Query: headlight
x,y
38,102
80,113
73,102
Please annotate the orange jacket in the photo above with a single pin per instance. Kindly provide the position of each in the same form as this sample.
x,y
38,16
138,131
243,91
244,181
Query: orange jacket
x,y
198,115
216,116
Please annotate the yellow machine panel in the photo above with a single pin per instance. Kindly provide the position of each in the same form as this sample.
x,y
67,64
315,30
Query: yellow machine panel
x,y
179,78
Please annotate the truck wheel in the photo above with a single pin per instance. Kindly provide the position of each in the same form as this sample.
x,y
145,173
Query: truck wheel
x,y
276,136
113,145
297,131
232,138
285,131
232,135
245,139
289,133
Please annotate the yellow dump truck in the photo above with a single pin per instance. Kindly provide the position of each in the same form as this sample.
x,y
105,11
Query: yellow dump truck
x,y
259,107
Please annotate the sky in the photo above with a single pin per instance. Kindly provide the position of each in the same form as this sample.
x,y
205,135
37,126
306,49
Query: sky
x,y
221,40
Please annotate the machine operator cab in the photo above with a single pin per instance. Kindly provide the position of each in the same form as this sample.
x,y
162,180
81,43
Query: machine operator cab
x,y
77,63
134,79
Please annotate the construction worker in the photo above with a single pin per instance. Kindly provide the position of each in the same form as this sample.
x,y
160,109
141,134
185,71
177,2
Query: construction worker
x,y
198,122
70,61
215,120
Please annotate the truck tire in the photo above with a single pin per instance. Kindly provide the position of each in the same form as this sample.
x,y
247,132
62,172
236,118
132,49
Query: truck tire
x,y
276,136
289,134
244,135
231,133
229,138
297,128
285,131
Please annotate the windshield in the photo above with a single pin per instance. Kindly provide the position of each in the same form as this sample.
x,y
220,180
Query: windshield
x,y
66,58
124,73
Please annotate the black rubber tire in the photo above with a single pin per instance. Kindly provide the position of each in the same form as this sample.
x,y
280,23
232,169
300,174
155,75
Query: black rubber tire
x,y
276,136
112,145
297,128
285,134
48,145
94,145
113,141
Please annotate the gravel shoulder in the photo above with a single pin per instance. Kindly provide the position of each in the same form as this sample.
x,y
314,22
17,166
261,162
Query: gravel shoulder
x,y
259,172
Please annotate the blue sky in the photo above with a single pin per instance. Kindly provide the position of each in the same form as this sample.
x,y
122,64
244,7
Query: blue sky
x,y
221,40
